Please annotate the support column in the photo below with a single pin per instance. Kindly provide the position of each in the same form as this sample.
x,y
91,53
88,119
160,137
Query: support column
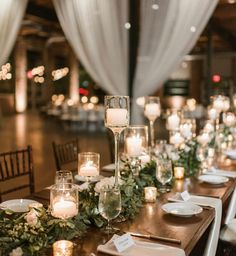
x,y
21,79
74,77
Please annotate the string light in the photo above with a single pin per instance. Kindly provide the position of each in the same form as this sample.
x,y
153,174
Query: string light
x,y
193,29
37,74
59,73
127,25
5,72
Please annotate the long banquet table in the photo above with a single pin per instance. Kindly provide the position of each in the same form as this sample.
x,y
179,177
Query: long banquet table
x,y
151,219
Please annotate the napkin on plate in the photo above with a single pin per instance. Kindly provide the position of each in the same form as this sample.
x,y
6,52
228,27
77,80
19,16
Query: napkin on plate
x,y
141,248
220,172
216,203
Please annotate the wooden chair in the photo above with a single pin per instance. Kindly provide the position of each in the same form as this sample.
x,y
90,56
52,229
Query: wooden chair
x,y
65,153
13,166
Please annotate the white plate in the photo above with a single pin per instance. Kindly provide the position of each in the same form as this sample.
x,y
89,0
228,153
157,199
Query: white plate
x,y
213,179
91,179
184,209
231,153
17,205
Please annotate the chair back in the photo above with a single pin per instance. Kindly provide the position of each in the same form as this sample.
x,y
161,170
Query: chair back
x,y
65,153
13,166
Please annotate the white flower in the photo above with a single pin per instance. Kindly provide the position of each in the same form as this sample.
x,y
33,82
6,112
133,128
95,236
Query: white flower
x,y
31,217
174,156
16,252
187,148
106,183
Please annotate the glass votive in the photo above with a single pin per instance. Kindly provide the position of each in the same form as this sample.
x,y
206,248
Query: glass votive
x,y
88,164
136,140
150,194
62,248
173,120
179,172
64,200
63,176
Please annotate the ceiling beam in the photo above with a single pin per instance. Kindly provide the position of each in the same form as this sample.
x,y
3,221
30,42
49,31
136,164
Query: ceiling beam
x,y
223,33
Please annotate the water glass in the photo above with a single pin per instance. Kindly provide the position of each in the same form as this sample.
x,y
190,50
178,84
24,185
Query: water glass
x,y
63,176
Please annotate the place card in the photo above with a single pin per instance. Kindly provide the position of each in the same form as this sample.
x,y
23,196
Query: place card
x,y
185,195
123,242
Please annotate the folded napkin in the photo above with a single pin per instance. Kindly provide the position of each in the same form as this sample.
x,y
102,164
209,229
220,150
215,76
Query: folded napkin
x,y
216,203
220,172
141,248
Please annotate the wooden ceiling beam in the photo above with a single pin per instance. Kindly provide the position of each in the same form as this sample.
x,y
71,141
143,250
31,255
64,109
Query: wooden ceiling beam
x,y
223,33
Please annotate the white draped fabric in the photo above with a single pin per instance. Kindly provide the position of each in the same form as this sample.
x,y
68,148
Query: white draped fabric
x,y
167,35
95,29
11,14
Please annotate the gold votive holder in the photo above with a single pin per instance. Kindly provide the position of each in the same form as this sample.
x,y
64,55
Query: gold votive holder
x,y
179,172
62,248
150,194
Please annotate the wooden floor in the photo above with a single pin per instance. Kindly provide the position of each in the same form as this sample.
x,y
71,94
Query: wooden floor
x,y
17,131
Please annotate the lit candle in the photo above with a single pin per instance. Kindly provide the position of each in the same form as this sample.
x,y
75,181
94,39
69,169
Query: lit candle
x,y
117,117
179,172
134,146
89,169
64,209
213,113
173,121
176,139
63,248
150,194
152,111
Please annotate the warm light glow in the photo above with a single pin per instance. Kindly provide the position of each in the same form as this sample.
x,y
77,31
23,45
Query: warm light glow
x,y
127,25
193,29
84,99
94,99
216,78
5,72
140,101
59,73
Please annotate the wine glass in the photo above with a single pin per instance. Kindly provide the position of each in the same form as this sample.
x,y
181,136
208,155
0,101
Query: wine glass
x,y
109,205
116,119
152,110
63,176
164,172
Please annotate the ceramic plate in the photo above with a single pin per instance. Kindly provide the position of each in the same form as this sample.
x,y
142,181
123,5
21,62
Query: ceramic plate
x,y
17,205
213,179
91,179
231,153
184,209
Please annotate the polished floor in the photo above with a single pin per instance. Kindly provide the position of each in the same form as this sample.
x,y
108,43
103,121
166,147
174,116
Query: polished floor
x,y
18,131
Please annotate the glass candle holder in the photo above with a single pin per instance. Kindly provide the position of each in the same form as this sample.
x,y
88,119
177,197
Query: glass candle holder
x,y
136,140
62,248
173,119
179,172
150,194
88,164
63,176
64,200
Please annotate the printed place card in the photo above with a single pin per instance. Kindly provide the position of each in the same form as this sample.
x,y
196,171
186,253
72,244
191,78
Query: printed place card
x,y
123,242
185,195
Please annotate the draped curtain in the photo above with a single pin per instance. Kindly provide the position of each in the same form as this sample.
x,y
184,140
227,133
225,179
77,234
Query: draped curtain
x,y
11,14
95,30
166,36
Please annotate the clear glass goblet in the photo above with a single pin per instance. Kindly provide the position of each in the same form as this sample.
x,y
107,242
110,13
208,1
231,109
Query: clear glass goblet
x,y
116,119
109,205
164,172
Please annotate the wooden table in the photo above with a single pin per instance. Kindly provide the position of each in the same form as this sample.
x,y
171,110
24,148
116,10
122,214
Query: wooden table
x,y
152,219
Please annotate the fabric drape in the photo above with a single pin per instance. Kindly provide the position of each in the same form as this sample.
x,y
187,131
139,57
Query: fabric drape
x,y
95,30
11,14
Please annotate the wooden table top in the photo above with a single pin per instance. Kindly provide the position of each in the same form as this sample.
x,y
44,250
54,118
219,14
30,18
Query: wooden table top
x,y
151,218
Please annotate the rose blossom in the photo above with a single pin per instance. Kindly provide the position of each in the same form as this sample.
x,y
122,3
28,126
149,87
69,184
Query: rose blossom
x,y
31,218
16,252
107,183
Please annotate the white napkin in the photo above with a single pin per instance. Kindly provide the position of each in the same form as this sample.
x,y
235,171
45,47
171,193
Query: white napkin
x,y
220,172
141,248
216,203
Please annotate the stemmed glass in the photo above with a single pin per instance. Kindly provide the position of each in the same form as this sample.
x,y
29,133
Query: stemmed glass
x,y
63,176
109,205
116,119
164,172
152,110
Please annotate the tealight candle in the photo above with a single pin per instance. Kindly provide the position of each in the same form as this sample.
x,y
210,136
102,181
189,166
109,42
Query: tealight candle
x,y
173,121
117,117
89,169
64,209
179,172
150,194
62,248
134,146
152,111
